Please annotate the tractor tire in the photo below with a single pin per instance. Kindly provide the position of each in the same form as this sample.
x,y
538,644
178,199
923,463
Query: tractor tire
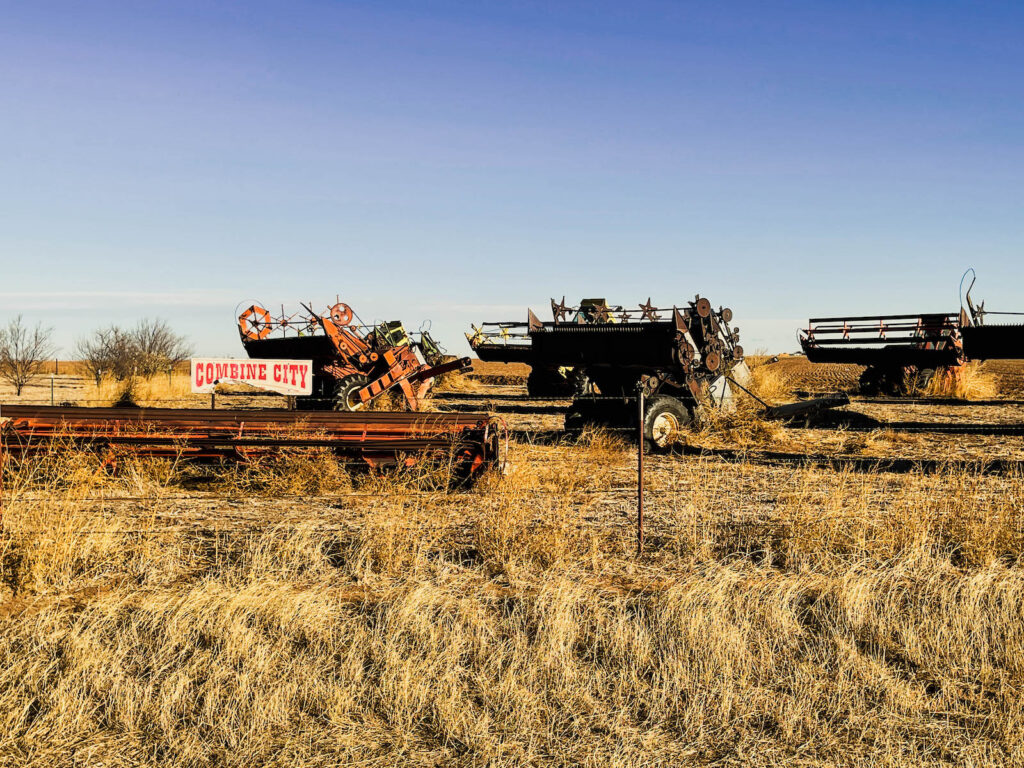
x,y
664,420
345,393
924,380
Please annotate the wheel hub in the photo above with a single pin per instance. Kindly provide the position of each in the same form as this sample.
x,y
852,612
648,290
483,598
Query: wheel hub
x,y
352,400
665,429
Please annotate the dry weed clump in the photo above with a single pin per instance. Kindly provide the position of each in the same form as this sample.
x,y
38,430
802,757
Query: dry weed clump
x,y
741,423
971,381
291,472
854,620
161,391
769,382
456,381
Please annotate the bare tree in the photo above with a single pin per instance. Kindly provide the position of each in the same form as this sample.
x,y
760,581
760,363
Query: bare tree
x,y
23,352
156,347
105,353
149,348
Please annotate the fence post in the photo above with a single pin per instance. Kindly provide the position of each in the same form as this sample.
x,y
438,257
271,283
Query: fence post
x,y
1,479
51,390
640,472
213,401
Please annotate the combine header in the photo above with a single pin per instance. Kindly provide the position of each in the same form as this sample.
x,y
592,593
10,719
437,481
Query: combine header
x,y
353,363
468,440
903,352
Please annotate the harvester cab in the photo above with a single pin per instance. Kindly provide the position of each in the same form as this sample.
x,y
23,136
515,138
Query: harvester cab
x,y
353,363
594,311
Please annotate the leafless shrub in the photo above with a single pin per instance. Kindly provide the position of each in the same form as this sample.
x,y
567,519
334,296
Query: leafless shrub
x,y
23,351
157,347
104,352
149,348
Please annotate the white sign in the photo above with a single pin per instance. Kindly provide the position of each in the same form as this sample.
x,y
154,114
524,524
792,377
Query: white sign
x,y
289,377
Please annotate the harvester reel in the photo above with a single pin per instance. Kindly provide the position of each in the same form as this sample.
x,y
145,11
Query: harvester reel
x,y
559,311
648,311
255,323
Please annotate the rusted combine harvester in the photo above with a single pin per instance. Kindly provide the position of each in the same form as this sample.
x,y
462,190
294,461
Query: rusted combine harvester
x,y
899,352
902,353
468,440
353,362
681,357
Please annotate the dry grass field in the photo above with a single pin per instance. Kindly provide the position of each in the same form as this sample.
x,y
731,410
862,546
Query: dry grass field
x,y
298,612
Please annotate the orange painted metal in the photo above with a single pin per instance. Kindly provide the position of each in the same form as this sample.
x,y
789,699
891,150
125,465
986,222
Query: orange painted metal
x,y
255,323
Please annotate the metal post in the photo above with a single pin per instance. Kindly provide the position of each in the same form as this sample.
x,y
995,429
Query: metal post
x,y
51,390
1,479
640,472
213,400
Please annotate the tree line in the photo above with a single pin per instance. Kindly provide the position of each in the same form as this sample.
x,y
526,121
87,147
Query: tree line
x,y
148,348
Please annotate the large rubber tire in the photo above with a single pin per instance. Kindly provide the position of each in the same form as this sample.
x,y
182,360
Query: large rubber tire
x,y
923,380
345,393
665,418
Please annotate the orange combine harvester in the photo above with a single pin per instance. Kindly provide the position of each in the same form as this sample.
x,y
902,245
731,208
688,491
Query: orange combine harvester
x,y
353,362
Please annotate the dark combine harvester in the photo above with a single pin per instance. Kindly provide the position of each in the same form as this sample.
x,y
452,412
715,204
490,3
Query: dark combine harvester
x,y
901,352
682,357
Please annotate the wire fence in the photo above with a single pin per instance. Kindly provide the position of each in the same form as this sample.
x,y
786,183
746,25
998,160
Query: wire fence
x,y
672,513
644,528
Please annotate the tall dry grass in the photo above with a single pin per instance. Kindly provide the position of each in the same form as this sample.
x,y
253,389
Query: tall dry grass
x,y
172,391
971,381
806,618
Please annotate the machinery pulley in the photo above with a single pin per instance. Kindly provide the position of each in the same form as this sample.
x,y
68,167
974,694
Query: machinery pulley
x,y
341,314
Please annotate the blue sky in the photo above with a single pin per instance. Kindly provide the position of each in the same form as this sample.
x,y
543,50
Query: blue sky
x,y
460,161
